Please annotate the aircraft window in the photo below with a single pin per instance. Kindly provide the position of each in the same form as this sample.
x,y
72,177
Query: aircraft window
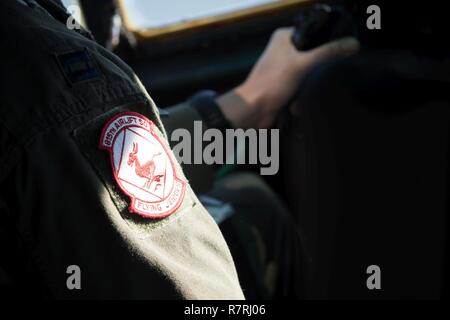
x,y
155,17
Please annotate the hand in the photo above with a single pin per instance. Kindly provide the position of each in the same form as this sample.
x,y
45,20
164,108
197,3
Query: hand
x,y
276,77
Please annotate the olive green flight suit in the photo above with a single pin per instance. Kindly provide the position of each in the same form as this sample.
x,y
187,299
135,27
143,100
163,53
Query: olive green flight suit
x,y
59,203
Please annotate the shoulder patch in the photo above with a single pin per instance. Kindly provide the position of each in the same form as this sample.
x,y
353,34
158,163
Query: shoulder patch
x,y
142,166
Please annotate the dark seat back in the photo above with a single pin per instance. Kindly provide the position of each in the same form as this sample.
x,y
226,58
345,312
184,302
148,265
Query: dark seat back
x,y
366,159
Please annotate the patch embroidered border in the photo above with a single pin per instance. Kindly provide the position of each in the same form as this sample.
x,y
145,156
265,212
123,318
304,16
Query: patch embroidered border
x,y
142,165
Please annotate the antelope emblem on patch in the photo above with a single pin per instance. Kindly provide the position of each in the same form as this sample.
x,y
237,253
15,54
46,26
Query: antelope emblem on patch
x,y
145,170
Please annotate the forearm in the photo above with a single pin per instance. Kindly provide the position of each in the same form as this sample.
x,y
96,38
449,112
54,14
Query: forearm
x,y
241,110
275,79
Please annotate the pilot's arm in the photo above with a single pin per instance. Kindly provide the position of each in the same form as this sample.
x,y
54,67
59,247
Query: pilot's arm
x,y
257,101
92,202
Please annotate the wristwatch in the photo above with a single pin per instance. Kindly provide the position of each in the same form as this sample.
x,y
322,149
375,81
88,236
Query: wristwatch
x,y
205,104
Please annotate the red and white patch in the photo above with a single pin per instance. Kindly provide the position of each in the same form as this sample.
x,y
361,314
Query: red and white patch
x,y
142,166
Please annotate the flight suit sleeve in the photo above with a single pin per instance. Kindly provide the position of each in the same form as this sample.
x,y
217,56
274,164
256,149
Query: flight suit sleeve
x,y
67,217
184,117
200,112
84,227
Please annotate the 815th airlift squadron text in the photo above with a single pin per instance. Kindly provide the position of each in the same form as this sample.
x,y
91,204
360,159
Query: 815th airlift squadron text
x,y
232,309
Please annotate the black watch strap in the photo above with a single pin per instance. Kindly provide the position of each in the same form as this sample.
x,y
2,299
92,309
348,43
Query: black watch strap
x,y
205,104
